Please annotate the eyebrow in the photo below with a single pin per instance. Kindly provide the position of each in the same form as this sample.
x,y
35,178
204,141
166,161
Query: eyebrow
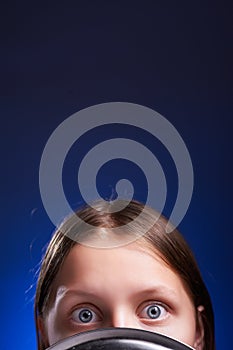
x,y
160,290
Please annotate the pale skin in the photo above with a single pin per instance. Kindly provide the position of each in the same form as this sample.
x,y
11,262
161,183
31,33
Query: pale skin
x,y
120,287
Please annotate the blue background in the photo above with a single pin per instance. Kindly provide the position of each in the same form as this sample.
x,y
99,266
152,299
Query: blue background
x,y
57,58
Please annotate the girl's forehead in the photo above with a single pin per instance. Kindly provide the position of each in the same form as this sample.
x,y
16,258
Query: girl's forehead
x,y
132,263
136,251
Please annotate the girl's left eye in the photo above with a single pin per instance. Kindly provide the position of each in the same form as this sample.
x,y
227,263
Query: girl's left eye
x,y
153,312
84,315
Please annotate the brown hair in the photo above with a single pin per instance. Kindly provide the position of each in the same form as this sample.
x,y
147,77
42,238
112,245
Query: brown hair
x,y
172,248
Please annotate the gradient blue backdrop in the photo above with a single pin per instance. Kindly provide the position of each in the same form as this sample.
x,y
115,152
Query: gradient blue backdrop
x,y
57,58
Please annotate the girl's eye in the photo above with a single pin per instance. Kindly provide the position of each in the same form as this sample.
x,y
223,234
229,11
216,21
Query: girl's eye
x,y
153,312
84,315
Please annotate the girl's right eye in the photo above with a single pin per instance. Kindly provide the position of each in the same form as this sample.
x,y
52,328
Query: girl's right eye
x,y
84,315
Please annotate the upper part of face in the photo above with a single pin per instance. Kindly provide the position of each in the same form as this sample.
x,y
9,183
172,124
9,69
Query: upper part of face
x,y
120,287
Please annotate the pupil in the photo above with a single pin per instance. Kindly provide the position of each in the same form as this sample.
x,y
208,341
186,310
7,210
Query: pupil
x,y
153,312
85,316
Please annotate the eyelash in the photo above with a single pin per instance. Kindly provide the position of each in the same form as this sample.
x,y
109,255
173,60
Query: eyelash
x,y
91,312
81,308
161,308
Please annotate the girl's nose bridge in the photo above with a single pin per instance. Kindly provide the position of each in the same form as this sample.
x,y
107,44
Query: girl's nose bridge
x,y
123,317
